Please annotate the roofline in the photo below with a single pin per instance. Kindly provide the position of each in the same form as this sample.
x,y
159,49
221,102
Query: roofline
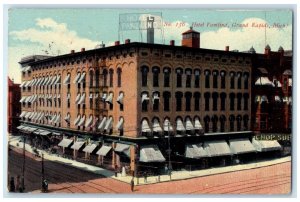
x,y
142,45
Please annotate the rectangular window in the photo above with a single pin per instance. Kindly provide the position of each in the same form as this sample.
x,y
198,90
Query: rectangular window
x,y
206,104
121,107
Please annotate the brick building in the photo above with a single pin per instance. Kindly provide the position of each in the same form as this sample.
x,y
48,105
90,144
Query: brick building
x,y
142,104
13,108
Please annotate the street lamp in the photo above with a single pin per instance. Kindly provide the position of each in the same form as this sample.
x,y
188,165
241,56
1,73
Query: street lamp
x,y
169,151
23,168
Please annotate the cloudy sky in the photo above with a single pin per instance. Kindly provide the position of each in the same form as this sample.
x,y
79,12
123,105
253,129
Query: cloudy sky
x,y
57,31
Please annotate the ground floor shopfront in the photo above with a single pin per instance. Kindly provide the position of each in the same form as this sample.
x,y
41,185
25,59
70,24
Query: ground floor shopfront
x,y
151,155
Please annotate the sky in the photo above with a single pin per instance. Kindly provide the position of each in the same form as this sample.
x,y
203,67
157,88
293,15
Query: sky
x,y
57,31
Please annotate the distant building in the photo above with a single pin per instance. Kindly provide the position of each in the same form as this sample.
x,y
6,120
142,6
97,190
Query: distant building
x,y
14,107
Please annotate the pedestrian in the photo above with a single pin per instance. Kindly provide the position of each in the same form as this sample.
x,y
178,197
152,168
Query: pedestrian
x,y
145,177
18,182
132,185
12,187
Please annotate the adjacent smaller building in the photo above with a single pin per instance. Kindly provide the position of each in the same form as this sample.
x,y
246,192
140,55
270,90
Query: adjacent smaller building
x,y
14,107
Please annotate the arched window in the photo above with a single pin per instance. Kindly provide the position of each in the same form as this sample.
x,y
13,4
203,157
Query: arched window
x,y
178,96
222,122
179,72
206,124
239,123
207,78
232,97
155,71
246,98
91,75
167,73
215,101
119,72
155,99
215,79
111,78
246,78
197,78
105,77
231,121
188,96
145,101
223,80
232,80
97,78
239,81
206,97
167,96
214,120
239,101
188,81
197,101
246,121
223,101
145,71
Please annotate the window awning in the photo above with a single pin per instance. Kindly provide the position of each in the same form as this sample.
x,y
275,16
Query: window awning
x,y
49,81
53,118
23,84
261,81
109,124
82,99
28,83
155,97
54,78
195,151
58,80
90,148
89,122
95,122
103,151
145,126
277,98
189,124
81,122
20,127
155,126
102,123
120,124
27,99
77,98
67,79
22,114
77,120
77,78
67,118
198,125
42,81
120,98
151,153
123,148
31,129
42,132
241,146
45,81
82,78
217,148
23,99
57,120
78,145
65,142
32,115
266,145
145,97
290,82
38,81
104,97
109,98
42,116
167,125
28,115
179,125
91,96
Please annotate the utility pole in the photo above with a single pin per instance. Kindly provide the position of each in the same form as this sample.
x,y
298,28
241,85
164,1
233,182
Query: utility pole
x,y
23,168
169,150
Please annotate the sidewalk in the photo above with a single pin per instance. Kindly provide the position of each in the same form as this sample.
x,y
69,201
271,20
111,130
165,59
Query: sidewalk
x,y
176,175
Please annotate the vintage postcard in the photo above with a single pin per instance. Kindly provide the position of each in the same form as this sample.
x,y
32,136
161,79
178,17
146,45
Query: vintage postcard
x,y
149,101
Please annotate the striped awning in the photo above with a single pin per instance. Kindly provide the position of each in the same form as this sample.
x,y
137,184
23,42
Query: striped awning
x,y
217,148
108,124
103,151
120,124
90,148
195,151
102,123
67,79
78,145
167,125
65,142
145,126
156,126
189,124
266,145
151,153
179,125
241,146
120,98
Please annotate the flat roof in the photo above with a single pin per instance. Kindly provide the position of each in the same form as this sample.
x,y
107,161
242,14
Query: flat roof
x,y
142,45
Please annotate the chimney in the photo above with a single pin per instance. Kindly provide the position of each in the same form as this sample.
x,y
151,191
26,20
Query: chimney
x,y
117,43
172,43
82,49
72,51
227,48
127,41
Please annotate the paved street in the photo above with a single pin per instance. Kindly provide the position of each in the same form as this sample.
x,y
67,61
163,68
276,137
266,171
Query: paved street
x,y
275,179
